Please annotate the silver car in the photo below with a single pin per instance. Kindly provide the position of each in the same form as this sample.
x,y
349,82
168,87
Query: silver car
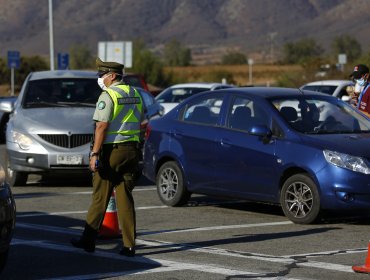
x,y
51,127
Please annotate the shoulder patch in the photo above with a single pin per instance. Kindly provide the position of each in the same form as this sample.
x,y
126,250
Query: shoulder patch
x,y
101,105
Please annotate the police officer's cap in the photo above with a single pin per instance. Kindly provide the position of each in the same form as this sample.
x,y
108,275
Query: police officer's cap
x,y
106,66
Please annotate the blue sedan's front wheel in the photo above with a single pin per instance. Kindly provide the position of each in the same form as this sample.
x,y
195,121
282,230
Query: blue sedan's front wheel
x,y
300,199
170,185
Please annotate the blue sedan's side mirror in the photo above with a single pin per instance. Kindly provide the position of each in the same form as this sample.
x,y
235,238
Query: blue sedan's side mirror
x,y
262,131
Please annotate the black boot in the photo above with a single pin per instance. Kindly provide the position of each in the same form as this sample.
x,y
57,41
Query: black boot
x,y
87,240
127,251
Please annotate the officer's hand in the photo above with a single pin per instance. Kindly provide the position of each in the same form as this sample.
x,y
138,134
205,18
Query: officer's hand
x,y
92,164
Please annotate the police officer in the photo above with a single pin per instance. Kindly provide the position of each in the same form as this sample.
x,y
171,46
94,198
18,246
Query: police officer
x,y
114,157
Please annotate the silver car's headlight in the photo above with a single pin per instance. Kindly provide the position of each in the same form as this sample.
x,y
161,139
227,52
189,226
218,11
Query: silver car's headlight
x,y
353,163
22,140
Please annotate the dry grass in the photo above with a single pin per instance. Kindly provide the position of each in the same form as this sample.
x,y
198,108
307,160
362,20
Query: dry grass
x,y
4,90
261,74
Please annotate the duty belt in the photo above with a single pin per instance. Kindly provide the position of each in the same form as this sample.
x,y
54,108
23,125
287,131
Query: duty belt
x,y
129,143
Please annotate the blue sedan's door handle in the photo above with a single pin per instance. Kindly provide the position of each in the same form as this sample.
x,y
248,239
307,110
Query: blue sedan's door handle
x,y
176,132
225,142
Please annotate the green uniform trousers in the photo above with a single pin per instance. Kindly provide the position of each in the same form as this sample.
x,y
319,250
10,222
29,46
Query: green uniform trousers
x,y
119,171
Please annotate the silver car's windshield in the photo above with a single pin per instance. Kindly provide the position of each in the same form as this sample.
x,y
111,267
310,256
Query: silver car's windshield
x,y
313,115
61,93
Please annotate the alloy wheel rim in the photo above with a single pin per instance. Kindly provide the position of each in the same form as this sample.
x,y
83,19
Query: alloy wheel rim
x,y
299,199
168,183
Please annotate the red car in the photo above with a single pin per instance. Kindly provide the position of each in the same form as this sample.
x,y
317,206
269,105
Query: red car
x,y
135,80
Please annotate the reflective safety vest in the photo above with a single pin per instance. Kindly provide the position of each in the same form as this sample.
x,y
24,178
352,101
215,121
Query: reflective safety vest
x,y
127,115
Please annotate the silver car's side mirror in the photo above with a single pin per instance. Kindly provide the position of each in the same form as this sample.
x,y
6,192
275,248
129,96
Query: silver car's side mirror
x,y
7,106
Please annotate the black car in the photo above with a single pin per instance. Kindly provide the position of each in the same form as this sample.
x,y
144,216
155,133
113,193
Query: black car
x,y
7,218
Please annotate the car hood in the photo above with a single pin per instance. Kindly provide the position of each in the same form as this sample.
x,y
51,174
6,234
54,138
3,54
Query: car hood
x,y
352,144
55,120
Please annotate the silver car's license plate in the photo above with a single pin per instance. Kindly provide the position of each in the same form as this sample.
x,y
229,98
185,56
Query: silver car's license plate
x,y
69,159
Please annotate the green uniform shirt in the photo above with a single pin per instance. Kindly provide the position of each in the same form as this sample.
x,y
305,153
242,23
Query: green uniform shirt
x,y
104,108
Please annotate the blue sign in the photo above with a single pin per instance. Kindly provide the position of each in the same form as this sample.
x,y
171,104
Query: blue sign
x,y
14,60
63,61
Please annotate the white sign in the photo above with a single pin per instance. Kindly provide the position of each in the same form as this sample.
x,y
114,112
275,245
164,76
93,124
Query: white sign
x,y
342,58
120,51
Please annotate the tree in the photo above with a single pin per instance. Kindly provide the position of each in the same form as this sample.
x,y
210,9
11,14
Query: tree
x,y
147,64
81,57
176,55
301,51
347,45
234,58
365,59
29,64
4,72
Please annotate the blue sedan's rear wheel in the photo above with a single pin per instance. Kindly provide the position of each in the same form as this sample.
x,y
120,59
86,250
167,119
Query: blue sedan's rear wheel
x,y
300,199
170,185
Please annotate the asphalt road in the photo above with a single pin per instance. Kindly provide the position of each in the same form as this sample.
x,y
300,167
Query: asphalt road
x,y
209,238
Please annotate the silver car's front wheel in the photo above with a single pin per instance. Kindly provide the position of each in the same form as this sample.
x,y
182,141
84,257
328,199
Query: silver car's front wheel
x,y
300,199
170,185
15,178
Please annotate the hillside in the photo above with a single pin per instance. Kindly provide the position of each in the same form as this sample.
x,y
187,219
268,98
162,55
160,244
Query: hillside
x,y
209,27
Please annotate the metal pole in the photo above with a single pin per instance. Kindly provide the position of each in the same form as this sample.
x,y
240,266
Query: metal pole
x,y
250,63
51,38
12,81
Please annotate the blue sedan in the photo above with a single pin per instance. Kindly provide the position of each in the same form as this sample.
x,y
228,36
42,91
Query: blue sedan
x,y
303,150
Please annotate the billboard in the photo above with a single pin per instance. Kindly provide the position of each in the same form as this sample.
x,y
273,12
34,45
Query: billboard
x,y
117,51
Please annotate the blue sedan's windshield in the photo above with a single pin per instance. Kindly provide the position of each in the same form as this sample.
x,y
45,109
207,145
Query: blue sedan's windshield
x,y
61,92
313,115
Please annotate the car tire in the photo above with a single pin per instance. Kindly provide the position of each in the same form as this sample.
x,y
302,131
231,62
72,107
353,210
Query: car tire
x,y
3,124
300,199
170,185
15,178
3,259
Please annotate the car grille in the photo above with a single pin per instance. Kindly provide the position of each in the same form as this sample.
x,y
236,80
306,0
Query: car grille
x,y
67,141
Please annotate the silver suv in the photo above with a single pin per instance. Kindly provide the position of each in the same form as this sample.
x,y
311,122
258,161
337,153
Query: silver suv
x,y
50,128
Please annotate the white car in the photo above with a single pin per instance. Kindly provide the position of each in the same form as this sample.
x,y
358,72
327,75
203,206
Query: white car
x,y
336,88
173,95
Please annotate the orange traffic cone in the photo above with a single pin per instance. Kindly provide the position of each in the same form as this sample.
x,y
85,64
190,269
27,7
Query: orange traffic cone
x,y
364,268
110,226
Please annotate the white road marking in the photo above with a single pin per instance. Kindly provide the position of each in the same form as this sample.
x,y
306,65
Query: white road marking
x,y
247,255
81,212
218,251
208,268
137,189
230,227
